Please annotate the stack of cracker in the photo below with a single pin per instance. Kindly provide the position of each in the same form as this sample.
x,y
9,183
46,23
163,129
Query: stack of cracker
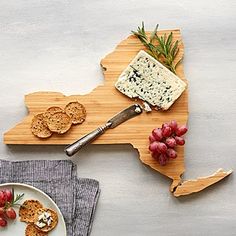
x,y
29,213
58,120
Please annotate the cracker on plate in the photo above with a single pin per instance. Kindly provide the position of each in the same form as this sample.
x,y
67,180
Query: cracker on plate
x,y
53,216
76,111
28,209
39,127
31,230
59,123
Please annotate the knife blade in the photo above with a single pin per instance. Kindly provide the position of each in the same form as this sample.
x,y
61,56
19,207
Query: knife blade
x,y
116,120
124,115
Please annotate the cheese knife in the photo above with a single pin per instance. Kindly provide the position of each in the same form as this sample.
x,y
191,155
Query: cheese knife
x,y
119,118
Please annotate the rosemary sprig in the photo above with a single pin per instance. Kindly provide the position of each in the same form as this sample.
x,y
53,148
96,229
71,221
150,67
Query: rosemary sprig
x,y
15,200
161,48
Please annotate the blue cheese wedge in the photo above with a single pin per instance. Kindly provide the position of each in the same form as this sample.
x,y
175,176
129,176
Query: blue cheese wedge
x,y
147,79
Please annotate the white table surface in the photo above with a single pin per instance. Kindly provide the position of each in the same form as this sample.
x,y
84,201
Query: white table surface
x,y
57,45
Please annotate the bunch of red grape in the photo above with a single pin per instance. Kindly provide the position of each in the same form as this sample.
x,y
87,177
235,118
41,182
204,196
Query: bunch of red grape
x,y
7,202
163,141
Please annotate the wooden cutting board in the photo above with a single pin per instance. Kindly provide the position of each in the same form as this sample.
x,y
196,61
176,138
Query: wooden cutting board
x,y
105,101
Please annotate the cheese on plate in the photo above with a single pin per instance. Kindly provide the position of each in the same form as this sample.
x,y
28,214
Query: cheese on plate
x,y
147,79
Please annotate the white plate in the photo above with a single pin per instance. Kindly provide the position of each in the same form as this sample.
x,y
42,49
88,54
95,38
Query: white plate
x,y
15,227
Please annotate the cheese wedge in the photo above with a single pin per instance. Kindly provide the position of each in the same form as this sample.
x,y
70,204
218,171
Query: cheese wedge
x,y
147,79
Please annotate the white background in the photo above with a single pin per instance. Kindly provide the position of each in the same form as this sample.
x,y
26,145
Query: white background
x,y
57,45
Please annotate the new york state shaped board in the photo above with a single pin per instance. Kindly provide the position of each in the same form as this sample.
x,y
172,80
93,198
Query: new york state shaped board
x,y
105,101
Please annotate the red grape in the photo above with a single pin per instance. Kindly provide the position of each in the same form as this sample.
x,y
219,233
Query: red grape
x,y
3,198
166,131
3,222
171,153
153,147
9,195
179,140
173,125
164,125
164,140
171,142
181,130
155,155
157,133
11,214
162,159
2,211
151,138
161,147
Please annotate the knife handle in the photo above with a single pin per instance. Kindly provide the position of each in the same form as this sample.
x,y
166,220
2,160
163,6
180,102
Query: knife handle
x,y
85,140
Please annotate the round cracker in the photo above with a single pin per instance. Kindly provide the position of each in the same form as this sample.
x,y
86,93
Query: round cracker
x,y
50,111
39,127
76,111
59,123
31,230
53,223
28,209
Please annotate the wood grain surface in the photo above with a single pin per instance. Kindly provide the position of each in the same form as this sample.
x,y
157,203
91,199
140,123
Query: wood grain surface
x,y
191,186
105,101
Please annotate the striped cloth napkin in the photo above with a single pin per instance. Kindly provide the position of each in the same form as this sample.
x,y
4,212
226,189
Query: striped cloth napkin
x,y
76,197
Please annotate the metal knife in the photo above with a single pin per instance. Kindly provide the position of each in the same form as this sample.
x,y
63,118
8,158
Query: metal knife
x,y
119,118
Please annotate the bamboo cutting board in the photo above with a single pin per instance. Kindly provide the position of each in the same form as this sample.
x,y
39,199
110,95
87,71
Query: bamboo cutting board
x,y
105,101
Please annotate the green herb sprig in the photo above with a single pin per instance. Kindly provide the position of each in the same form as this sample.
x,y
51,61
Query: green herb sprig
x,y
162,48
15,200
